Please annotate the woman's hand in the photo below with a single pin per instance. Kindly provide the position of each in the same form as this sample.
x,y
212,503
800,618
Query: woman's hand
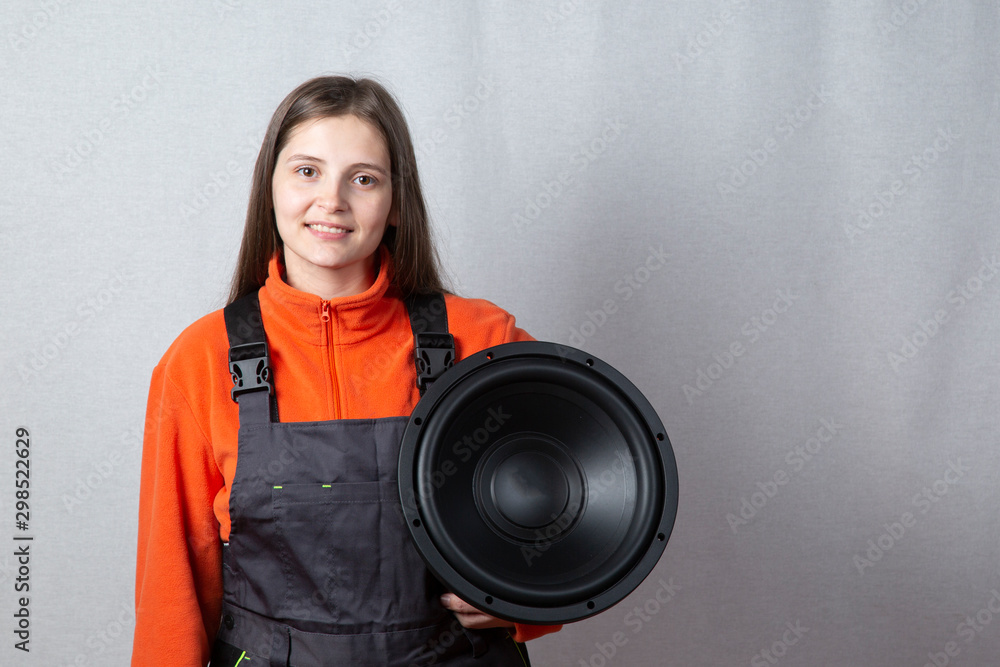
x,y
469,616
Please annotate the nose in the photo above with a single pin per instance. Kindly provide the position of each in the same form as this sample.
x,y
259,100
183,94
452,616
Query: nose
x,y
331,198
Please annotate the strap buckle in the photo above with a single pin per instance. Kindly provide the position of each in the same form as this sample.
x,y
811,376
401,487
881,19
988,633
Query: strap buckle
x,y
434,354
250,366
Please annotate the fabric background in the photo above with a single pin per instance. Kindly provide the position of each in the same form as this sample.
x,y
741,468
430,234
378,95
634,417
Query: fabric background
x,y
778,219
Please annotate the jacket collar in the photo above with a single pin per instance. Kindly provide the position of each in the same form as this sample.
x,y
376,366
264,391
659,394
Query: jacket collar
x,y
344,320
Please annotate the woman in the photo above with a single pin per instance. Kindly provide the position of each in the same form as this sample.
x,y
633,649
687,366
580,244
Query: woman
x,y
268,532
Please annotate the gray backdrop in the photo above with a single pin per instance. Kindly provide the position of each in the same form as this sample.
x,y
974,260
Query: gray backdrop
x,y
778,218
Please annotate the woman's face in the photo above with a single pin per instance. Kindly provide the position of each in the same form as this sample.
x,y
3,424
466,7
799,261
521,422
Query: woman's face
x,y
332,196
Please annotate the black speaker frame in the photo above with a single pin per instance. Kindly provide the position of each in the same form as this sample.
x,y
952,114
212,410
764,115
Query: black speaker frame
x,y
413,498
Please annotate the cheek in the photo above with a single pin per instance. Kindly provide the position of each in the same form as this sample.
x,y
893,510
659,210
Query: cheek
x,y
286,201
379,210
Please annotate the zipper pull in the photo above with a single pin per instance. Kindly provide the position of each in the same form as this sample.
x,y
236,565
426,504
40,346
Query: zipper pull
x,y
325,313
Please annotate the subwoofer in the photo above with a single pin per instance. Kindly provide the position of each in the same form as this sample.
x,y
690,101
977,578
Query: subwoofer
x,y
537,482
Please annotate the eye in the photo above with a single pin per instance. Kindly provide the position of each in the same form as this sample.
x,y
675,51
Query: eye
x,y
306,171
364,179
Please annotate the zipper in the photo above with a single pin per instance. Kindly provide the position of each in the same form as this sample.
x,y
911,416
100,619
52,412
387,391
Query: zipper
x,y
324,316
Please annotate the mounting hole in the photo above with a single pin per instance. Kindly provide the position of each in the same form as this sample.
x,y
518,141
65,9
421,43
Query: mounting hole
x,y
489,355
590,362
661,537
489,599
418,421
590,604
659,436
416,523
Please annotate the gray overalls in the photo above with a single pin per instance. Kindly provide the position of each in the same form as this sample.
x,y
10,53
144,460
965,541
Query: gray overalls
x,y
320,569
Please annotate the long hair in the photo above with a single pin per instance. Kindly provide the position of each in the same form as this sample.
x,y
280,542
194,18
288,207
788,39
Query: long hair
x,y
409,242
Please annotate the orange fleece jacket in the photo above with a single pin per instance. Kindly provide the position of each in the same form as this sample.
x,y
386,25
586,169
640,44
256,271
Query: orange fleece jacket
x,y
347,358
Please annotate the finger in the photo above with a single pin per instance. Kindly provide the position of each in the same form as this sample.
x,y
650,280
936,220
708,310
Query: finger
x,y
469,616
456,604
477,620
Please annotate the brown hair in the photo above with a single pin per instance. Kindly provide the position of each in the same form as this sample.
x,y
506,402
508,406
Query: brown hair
x,y
409,242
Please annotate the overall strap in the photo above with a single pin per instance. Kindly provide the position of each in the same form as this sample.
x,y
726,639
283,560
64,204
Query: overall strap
x,y
250,361
433,346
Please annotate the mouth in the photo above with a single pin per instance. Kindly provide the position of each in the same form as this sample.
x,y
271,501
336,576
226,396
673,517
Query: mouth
x,y
328,229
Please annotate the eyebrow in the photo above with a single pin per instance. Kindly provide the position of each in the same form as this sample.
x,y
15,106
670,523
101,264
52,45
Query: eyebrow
x,y
300,157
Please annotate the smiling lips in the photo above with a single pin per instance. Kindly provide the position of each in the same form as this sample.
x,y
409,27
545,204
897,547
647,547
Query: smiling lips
x,y
323,229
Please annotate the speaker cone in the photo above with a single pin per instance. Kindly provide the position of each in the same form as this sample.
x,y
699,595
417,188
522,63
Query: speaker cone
x,y
537,482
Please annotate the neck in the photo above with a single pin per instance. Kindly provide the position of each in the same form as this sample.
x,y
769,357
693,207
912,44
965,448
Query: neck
x,y
330,283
